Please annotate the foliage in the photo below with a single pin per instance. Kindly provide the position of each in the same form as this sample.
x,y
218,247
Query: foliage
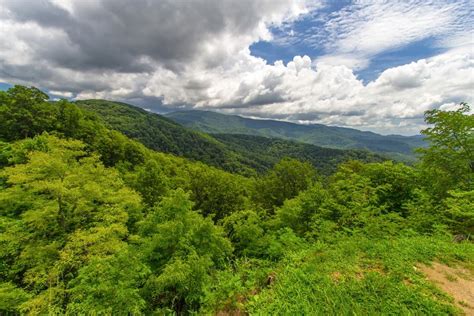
x,y
92,222
449,162
460,212
24,112
59,210
266,152
216,193
284,181
181,247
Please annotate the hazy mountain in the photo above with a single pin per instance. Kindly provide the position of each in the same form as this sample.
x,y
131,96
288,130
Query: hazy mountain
x,y
316,134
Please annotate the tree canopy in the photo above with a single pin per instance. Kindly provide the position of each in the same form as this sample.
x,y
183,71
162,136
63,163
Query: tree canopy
x,y
94,222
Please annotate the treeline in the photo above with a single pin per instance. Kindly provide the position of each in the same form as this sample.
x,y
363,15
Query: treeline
x,y
94,222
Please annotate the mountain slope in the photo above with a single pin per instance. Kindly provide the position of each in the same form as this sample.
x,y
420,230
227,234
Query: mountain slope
x,y
236,153
264,151
316,134
162,134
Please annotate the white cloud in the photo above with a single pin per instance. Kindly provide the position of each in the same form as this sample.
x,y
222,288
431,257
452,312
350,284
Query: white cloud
x,y
197,54
360,31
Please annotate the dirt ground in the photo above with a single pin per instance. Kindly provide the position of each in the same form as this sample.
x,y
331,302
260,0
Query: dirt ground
x,y
458,282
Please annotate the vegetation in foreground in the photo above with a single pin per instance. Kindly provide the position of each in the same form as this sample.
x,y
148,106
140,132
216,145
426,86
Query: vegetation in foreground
x,y
94,222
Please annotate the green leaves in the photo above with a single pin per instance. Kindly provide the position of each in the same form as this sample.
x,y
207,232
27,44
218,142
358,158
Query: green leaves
x,y
460,212
181,248
284,181
11,297
109,285
449,161
67,209
25,112
216,193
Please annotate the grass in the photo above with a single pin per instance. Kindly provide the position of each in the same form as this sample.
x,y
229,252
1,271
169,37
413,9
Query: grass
x,y
352,276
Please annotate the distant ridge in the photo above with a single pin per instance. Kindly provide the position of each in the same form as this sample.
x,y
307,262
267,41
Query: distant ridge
x,y
317,134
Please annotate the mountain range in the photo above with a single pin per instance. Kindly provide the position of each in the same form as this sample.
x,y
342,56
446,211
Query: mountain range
x,y
240,153
396,146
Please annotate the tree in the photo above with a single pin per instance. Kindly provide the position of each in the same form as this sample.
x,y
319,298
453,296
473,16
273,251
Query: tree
x,y
298,213
216,193
109,285
448,162
181,248
460,212
284,181
245,230
59,209
151,182
25,112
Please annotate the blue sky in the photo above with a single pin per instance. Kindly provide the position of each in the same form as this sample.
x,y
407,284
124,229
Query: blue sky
x,y
368,64
289,40
272,51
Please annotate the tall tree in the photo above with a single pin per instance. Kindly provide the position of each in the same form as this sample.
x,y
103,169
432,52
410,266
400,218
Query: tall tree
x,y
58,211
284,181
449,160
25,112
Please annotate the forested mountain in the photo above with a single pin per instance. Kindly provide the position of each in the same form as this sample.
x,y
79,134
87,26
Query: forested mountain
x,y
161,134
235,153
94,222
266,152
316,134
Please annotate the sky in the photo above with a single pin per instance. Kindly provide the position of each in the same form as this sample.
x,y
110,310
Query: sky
x,y
371,65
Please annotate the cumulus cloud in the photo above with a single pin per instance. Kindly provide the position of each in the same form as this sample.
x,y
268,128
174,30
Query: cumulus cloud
x,y
195,54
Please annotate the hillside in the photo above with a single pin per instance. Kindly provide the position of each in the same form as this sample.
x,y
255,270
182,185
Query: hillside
x,y
160,133
236,153
267,152
316,134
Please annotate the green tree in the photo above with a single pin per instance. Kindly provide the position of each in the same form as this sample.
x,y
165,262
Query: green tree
x,y
298,213
181,248
284,181
70,118
58,210
448,162
25,112
459,214
151,182
394,182
216,193
247,232
109,285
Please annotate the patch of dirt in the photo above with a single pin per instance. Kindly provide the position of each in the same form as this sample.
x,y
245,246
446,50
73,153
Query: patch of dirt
x,y
336,276
458,282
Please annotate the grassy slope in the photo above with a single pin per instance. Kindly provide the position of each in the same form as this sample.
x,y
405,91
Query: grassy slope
x,y
351,276
321,135
362,276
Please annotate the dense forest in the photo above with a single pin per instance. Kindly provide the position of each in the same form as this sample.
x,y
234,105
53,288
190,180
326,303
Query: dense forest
x,y
93,221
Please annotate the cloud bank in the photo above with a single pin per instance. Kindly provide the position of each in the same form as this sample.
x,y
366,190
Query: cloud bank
x,y
195,54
